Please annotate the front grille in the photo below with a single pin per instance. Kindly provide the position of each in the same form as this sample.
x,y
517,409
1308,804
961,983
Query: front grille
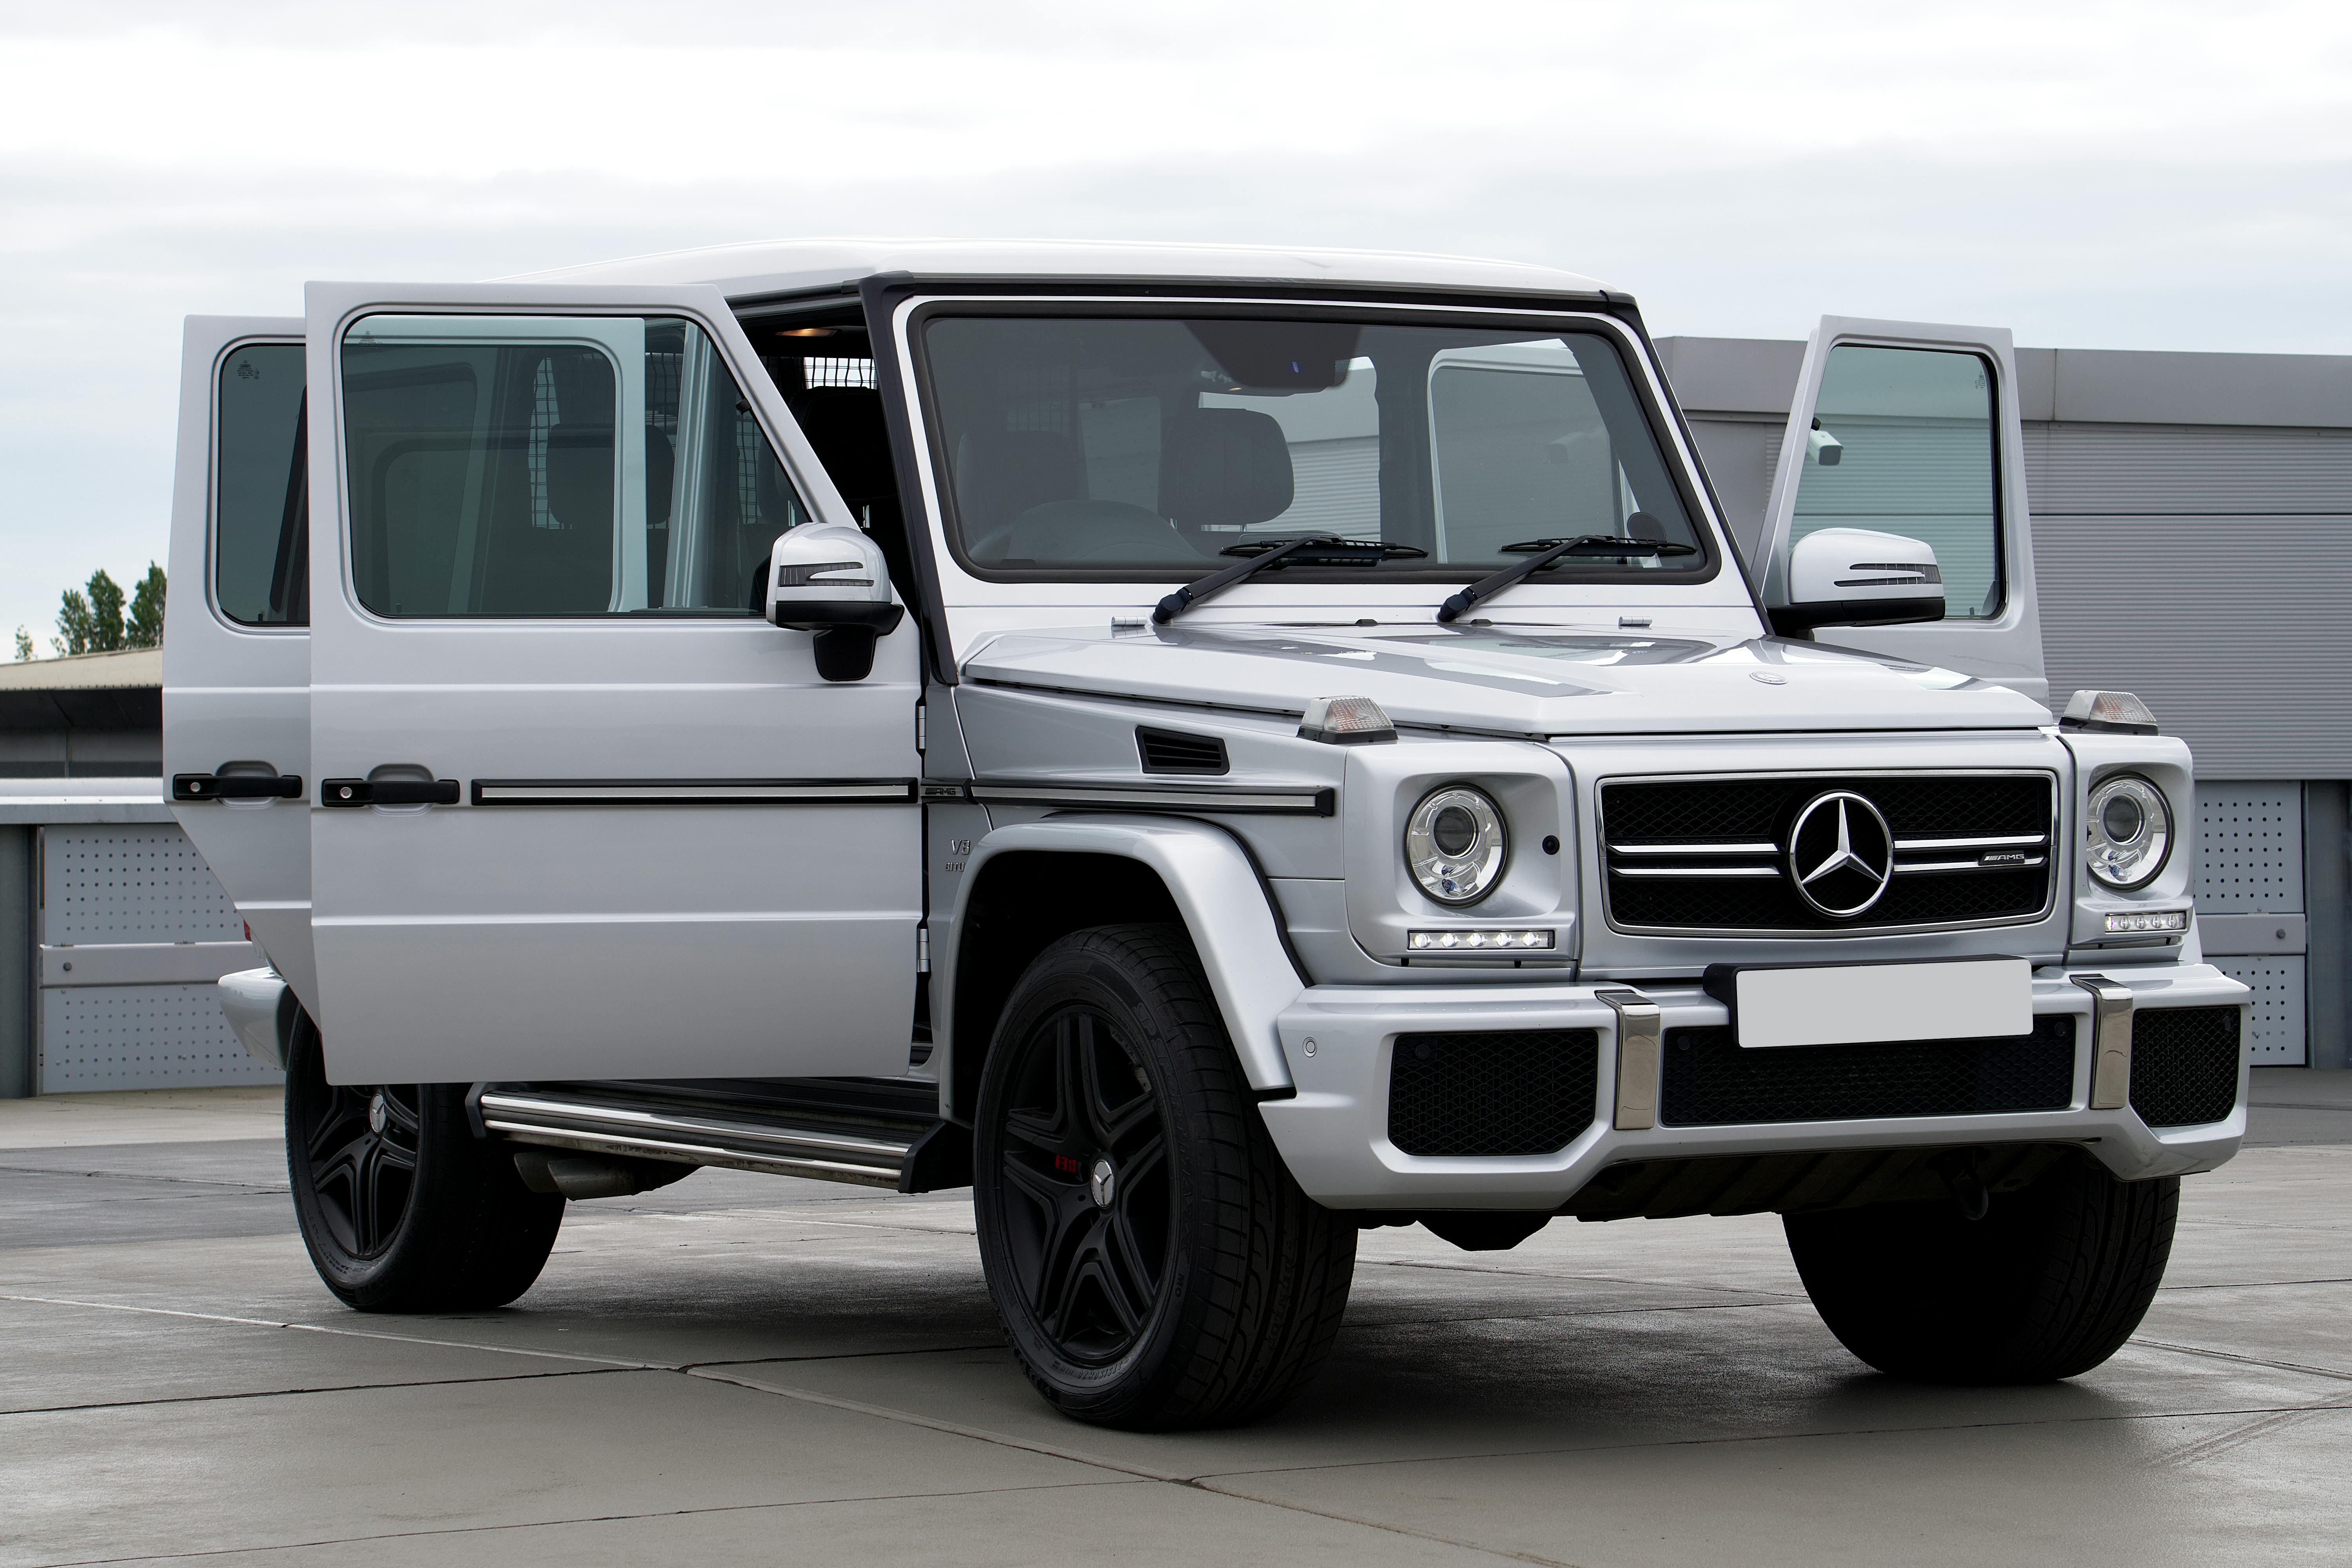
x,y
1711,1081
1713,854
2184,1069
1528,1092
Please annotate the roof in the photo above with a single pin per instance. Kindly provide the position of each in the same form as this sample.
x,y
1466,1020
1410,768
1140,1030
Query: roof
x,y
133,666
782,265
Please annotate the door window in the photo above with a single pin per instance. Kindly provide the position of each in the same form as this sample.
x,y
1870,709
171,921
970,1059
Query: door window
x,y
261,517
543,466
1904,442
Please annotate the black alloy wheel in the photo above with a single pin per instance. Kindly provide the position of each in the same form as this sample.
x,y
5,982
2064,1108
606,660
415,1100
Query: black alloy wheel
x,y
362,1149
402,1207
1153,1262
1083,1173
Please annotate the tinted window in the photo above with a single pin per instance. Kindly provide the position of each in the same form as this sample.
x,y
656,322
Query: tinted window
x,y
1905,445
520,466
1110,443
260,521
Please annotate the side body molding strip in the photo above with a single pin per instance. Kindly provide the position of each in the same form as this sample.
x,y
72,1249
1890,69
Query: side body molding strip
x,y
1216,889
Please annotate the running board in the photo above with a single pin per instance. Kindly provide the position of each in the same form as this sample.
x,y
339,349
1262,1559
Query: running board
x,y
874,1153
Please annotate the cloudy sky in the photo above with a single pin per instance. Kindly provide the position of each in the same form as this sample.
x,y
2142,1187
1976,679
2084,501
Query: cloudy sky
x,y
2146,175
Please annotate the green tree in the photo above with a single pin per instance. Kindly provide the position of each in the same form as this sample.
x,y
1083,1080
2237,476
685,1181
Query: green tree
x,y
145,626
92,624
23,645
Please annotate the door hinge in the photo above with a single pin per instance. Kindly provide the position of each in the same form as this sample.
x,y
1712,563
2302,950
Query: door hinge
x,y
922,950
920,712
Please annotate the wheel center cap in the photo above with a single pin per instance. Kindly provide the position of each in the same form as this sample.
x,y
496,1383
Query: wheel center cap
x,y
375,1112
1102,1182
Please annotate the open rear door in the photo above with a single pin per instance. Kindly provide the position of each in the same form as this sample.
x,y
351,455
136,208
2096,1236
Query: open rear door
x,y
1912,428
237,646
582,812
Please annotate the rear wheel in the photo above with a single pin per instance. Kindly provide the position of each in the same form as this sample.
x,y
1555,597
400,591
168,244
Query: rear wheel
x,y
2048,1284
402,1207
1153,1262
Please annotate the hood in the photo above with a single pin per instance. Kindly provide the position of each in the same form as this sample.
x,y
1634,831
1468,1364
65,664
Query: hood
x,y
1518,681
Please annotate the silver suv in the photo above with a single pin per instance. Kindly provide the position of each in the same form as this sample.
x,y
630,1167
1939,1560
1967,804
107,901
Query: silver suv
x,y
1214,749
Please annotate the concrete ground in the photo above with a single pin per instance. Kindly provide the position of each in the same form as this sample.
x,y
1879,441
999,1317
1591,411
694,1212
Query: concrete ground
x,y
747,1367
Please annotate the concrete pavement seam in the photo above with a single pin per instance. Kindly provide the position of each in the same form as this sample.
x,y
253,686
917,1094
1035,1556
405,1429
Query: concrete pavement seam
x,y
324,1388
583,1519
1005,1439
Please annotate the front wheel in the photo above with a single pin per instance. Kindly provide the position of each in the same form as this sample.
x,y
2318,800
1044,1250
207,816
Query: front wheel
x,y
2048,1284
1153,1262
402,1207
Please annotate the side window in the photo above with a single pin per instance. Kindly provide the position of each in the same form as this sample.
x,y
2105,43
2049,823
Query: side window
x,y
543,466
261,516
1904,442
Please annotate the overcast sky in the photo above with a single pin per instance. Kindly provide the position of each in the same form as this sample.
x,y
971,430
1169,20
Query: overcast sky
x,y
2145,175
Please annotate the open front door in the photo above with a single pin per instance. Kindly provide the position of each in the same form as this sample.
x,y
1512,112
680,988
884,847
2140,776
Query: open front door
x,y
580,812
236,653
1912,428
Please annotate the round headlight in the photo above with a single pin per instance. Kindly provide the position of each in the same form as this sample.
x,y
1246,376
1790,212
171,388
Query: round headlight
x,y
1455,845
2128,831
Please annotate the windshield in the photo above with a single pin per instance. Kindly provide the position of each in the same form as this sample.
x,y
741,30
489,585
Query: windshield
x,y
1109,446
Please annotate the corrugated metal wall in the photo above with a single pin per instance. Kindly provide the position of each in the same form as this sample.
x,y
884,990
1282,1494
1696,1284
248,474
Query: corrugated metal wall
x,y
2210,570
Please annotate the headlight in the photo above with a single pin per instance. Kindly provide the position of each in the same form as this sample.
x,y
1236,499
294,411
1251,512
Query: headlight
x,y
1455,844
2128,831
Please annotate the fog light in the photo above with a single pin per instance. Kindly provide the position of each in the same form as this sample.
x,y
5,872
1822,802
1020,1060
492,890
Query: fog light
x,y
2147,920
1475,940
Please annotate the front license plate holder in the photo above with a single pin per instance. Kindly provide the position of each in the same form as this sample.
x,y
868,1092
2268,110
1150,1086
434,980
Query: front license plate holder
x,y
1775,1006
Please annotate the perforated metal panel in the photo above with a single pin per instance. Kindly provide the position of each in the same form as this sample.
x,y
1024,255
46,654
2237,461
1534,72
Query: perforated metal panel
x,y
140,1036
2249,848
2278,1027
130,883
134,883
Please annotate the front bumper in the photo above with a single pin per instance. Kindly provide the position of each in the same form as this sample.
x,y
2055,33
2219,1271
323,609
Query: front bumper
x,y
1338,1040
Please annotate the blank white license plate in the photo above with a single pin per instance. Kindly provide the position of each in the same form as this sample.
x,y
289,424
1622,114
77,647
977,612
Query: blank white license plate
x,y
1850,1004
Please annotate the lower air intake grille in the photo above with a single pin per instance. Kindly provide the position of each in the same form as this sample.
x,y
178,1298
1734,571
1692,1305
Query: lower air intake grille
x,y
1711,1081
1521,1093
2184,1069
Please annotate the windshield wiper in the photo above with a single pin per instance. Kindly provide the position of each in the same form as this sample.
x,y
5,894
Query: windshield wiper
x,y
1543,553
1313,550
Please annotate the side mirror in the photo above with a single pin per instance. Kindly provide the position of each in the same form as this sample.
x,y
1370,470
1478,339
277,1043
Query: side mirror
x,y
830,579
1858,577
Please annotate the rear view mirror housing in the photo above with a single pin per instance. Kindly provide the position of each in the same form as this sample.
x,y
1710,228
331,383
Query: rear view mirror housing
x,y
830,579
1858,577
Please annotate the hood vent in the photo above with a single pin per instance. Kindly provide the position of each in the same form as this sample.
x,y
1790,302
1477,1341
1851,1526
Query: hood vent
x,y
1173,751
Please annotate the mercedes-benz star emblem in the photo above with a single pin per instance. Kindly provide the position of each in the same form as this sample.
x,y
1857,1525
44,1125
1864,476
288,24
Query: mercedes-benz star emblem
x,y
1102,1184
1841,854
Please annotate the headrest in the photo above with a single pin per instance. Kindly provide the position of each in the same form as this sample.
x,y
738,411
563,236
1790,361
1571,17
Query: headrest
x,y
1223,468
1001,473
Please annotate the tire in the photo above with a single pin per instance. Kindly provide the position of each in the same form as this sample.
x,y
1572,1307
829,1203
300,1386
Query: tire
x,y
402,1207
1153,1263
2048,1284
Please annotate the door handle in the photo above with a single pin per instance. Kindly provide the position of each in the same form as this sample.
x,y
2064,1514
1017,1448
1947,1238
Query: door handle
x,y
388,792
237,787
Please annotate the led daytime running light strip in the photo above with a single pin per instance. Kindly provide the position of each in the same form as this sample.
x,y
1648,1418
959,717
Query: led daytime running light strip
x,y
1475,940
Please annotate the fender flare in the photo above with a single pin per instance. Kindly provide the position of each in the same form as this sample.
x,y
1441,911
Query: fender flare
x,y
1227,909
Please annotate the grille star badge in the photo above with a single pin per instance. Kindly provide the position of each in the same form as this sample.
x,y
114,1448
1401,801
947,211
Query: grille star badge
x,y
1841,854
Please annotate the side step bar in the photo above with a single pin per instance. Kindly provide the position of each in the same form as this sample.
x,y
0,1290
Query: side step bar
x,y
874,1153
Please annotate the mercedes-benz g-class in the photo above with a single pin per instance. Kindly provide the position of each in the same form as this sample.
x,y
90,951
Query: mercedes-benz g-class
x,y
1214,750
